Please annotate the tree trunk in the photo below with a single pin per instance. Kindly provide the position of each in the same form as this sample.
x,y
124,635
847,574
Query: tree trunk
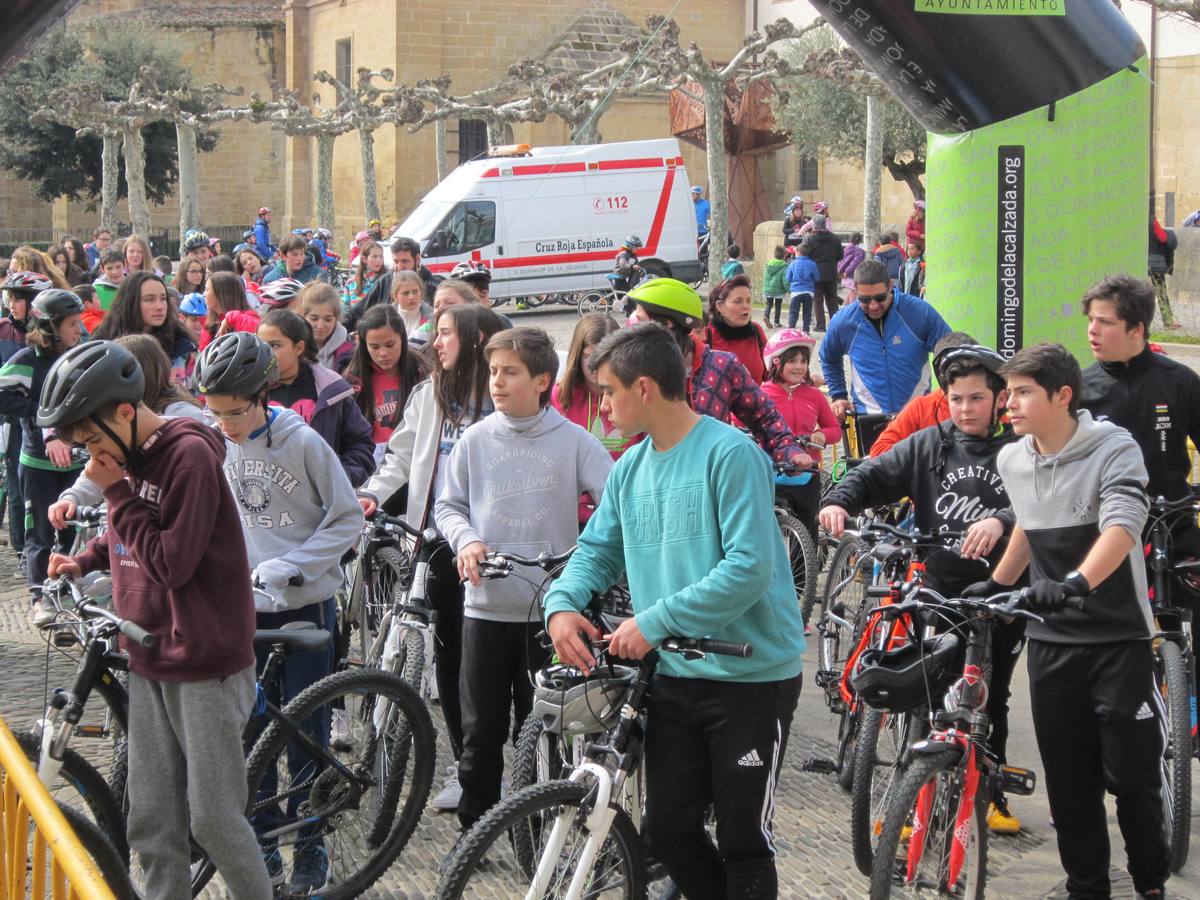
x,y
495,133
366,139
910,173
189,188
135,178
872,167
110,174
588,131
439,147
325,181
718,187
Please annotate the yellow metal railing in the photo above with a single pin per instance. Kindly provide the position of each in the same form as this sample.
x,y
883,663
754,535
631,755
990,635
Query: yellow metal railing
x,y
47,860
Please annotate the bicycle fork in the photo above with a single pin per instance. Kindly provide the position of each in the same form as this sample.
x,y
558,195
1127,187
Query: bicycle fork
x,y
599,820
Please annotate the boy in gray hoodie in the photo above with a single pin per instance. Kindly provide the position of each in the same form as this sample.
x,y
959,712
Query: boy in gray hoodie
x,y
1077,487
513,483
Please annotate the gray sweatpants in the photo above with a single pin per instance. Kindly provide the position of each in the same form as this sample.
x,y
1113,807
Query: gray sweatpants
x,y
186,761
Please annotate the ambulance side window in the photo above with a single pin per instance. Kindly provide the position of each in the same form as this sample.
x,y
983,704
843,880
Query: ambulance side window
x,y
469,226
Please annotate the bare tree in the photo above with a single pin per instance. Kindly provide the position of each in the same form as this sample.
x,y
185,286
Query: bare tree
x,y
67,108
501,104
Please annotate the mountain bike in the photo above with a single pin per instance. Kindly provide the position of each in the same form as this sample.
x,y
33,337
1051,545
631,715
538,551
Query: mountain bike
x,y
580,836
803,556
933,838
1175,669
375,573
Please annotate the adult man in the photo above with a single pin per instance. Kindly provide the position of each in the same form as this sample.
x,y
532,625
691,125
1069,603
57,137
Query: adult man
x,y
825,249
406,255
703,210
716,729
888,337
262,233
101,241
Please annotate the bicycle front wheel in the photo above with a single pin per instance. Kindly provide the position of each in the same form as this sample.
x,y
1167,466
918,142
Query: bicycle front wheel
x,y
591,302
802,558
347,811
389,577
542,755
843,600
912,858
1177,761
880,746
501,855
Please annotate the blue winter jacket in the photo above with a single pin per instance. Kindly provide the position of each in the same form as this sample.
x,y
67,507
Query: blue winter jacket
x,y
262,239
888,369
802,276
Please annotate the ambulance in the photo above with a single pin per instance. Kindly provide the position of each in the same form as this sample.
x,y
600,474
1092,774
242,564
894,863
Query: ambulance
x,y
552,219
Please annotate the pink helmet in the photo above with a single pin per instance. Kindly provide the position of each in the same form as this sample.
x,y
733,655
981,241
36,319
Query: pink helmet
x,y
362,236
783,341
821,206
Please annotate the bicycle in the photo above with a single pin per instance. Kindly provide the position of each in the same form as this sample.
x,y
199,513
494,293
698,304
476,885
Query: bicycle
x,y
376,572
933,840
604,301
803,555
1175,671
579,836
357,803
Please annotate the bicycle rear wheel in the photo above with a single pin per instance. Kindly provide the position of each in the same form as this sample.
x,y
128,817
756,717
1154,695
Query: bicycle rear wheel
x,y
802,558
932,781
878,750
391,573
843,600
500,855
542,755
1177,761
589,302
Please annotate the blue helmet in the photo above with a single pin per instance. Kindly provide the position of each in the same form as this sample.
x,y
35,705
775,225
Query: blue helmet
x,y
193,305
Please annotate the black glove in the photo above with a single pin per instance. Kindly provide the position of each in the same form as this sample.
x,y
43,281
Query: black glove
x,y
984,588
1046,595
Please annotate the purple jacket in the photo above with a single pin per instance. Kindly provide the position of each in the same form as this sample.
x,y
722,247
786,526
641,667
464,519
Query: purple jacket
x,y
853,254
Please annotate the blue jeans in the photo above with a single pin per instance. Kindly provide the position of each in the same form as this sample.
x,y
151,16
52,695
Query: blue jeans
x,y
799,300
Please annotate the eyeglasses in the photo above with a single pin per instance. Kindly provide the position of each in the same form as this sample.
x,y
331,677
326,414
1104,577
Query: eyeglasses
x,y
231,416
881,299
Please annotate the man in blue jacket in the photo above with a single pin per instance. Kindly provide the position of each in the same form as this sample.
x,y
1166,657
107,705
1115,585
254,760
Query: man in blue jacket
x,y
262,234
888,336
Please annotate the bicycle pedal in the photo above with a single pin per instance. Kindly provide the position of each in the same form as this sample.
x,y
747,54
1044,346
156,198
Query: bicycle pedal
x,y
819,766
1017,781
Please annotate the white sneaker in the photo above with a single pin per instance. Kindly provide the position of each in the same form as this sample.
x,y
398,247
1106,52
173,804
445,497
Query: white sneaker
x,y
451,792
339,731
42,612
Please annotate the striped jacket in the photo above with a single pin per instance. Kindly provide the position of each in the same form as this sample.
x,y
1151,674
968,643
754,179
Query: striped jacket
x,y
21,381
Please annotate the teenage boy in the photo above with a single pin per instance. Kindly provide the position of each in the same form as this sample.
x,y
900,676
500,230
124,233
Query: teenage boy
x,y
295,262
512,482
191,694
112,272
1077,488
687,514
949,469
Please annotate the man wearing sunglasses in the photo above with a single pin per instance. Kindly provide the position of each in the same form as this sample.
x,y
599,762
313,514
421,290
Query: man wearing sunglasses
x,y
888,336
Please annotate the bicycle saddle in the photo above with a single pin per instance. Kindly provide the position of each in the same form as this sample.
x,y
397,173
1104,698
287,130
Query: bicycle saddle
x,y
302,637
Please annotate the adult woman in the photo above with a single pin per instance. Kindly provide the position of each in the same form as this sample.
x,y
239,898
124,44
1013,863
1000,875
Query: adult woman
x,y
367,268
76,255
190,276
731,327
228,309
62,260
138,257
142,306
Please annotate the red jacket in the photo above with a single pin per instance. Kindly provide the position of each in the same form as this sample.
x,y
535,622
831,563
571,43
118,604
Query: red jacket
x,y
918,413
178,560
748,349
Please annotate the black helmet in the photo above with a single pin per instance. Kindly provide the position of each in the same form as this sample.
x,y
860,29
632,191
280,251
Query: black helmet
x,y
907,677
52,306
633,242
967,354
238,363
86,379
28,284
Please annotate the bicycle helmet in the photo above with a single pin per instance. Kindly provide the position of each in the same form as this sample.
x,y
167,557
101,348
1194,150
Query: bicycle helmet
x,y
362,236
243,248
247,234
907,677
193,305
27,284
470,271
264,210
671,298
194,240
86,379
280,292
1187,579
633,242
821,207
969,355
238,363
324,234
52,306
374,223
784,341
569,702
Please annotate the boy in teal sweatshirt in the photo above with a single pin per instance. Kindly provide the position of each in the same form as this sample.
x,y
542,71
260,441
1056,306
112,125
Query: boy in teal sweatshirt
x,y
688,515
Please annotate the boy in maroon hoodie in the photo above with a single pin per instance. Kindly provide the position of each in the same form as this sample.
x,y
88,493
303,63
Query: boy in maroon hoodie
x,y
190,695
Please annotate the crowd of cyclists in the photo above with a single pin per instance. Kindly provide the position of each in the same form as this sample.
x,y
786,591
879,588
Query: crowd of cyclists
x,y
240,417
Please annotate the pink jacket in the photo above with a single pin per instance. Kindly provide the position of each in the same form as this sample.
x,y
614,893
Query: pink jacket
x,y
805,409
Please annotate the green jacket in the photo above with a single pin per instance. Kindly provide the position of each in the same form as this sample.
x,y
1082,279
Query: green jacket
x,y
775,278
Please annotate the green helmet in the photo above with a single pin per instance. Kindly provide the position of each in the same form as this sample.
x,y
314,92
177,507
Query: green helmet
x,y
672,298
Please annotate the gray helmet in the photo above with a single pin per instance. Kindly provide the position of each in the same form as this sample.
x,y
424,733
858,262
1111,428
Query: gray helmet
x,y
238,363
52,306
194,240
86,379
569,702
26,284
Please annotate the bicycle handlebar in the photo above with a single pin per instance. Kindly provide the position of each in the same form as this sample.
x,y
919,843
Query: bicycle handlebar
x,y
131,630
1160,505
706,645
911,536
499,564
381,520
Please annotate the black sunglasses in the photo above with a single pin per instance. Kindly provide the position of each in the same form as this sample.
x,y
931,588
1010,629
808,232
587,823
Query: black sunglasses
x,y
874,298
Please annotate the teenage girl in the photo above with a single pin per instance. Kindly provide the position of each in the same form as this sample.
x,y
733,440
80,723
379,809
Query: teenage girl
x,y
143,306
382,372
322,310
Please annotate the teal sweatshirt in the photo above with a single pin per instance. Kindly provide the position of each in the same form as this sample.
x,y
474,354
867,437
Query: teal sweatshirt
x,y
695,530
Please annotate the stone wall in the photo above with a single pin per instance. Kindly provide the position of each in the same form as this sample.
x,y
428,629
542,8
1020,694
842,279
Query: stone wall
x,y
1177,134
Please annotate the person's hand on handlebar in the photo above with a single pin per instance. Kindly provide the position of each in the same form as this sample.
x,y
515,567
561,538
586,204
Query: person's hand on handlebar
x,y
564,629
1046,595
60,511
368,505
469,558
801,460
628,642
833,519
981,538
840,409
63,565
58,452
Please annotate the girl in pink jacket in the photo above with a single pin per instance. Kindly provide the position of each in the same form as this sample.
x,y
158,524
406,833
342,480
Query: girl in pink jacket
x,y
790,386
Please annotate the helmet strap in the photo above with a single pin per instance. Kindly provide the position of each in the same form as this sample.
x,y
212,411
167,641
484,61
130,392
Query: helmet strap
x,y
132,454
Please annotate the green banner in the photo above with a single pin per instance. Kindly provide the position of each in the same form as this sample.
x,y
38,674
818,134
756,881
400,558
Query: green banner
x,y
993,7
1026,213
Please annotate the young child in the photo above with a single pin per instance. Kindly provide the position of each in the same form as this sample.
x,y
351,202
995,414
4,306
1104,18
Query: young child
x,y
295,262
311,527
912,273
512,482
193,311
889,253
322,397
852,255
322,310
93,313
1077,487
774,286
382,372
367,267
191,694
162,264
733,266
802,275
687,514
112,271
411,476
789,384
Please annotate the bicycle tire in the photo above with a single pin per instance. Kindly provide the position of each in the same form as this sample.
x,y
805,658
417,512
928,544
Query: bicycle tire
x,y
1177,760
540,755
881,742
508,835
99,846
847,739
533,301
847,596
885,871
390,575
802,559
406,740
587,302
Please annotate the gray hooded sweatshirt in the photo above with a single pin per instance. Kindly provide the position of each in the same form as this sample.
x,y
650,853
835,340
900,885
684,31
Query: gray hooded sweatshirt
x,y
1064,501
515,484
298,510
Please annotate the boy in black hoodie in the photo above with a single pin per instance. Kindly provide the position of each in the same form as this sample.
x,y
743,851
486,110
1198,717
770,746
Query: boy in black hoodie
x,y
179,566
949,470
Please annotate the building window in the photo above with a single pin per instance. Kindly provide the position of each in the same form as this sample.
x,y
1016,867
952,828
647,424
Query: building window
x,y
342,69
808,174
472,139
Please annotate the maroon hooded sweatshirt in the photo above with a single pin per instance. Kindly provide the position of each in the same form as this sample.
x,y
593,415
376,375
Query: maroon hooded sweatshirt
x,y
178,560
